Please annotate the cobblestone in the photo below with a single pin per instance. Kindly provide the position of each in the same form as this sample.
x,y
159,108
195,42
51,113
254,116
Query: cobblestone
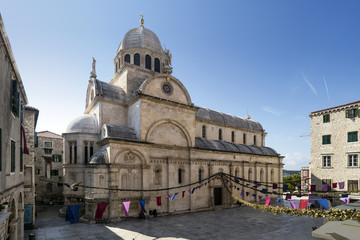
x,y
234,223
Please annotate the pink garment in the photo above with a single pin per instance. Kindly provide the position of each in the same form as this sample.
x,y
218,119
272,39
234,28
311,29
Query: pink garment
x,y
126,207
303,203
267,203
292,203
345,200
100,210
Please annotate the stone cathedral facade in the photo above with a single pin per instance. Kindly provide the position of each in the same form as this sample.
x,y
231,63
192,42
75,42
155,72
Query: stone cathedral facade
x,y
142,131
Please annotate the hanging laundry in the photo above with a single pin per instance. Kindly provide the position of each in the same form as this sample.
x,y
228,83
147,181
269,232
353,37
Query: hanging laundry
x,y
292,203
183,194
193,191
237,180
264,190
201,186
303,203
313,187
279,200
238,189
173,196
334,185
288,196
260,197
341,185
274,186
72,213
168,196
285,187
100,210
247,193
325,187
345,200
126,206
323,203
142,203
158,201
189,192
242,193
267,202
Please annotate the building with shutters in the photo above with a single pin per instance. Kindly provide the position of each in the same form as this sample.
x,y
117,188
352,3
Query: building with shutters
x,y
49,165
141,131
12,101
335,147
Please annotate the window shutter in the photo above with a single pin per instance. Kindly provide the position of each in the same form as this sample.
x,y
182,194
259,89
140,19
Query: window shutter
x,y
36,143
15,98
21,160
347,113
0,149
12,156
356,112
60,158
21,113
53,158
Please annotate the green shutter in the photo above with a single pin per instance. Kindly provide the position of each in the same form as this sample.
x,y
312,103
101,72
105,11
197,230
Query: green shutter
x,y
36,142
356,112
60,158
0,150
53,157
347,113
21,113
15,98
12,156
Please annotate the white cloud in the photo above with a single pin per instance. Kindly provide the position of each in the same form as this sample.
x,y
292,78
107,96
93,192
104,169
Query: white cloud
x,y
327,90
310,85
296,160
271,110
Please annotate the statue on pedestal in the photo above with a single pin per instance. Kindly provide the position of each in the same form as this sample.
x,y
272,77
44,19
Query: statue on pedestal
x,y
93,72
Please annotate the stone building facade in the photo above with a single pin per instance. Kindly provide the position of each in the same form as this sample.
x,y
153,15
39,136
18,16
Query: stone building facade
x,y
49,165
30,120
335,147
12,100
141,131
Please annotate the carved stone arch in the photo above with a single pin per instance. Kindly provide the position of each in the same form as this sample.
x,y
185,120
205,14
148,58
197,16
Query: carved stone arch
x,y
158,175
90,89
128,157
20,201
261,175
157,124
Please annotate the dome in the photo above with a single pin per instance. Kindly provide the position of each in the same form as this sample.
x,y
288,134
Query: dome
x,y
86,123
141,38
100,157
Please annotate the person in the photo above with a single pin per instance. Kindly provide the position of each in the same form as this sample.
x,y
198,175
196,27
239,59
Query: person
x,y
142,215
154,212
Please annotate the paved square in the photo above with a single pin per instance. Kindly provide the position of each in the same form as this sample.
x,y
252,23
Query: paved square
x,y
234,223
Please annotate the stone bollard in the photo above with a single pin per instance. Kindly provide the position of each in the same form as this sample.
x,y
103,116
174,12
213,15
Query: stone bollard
x,y
32,236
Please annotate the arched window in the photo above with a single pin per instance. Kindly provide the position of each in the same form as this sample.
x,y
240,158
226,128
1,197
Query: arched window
x,y
148,62
157,65
272,175
204,131
201,174
232,136
255,140
236,172
261,175
116,66
92,95
124,181
180,175
127,58
244,138
220,134
137,59
250,174
158,176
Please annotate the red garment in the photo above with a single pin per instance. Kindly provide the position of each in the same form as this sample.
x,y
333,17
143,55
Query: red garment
x,y
313,187
158,200
334,185
303,203
183,194
100,210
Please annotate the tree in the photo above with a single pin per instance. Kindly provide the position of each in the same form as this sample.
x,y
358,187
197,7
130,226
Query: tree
x,y
292,181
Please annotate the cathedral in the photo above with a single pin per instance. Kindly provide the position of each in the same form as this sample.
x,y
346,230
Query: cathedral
x,y
141,137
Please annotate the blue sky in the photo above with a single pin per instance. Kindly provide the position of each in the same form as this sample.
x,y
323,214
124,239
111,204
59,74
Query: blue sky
x,y
274,60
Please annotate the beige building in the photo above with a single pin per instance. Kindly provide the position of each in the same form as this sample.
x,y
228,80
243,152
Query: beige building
x,y
49,165
30,120
335,147
12,100
142,131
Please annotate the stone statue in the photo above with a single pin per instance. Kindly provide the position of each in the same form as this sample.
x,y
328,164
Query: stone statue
x,y
93,72
167,62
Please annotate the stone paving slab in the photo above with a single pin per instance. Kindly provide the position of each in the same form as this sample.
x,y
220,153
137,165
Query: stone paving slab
x,y
234,223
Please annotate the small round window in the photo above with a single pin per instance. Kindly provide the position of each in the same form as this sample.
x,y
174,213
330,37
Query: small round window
x,y
167,89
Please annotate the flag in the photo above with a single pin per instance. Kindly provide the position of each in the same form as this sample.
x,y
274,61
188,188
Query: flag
x,y
168,196
292,203
142,203
267,202
183,194
126,205
341,185
286,187
247,193
345,200
274,186
303,203
288,196
313,187
242,193
279,200
174,196
325,187
323,203
260,197
158,200
100,210
334,185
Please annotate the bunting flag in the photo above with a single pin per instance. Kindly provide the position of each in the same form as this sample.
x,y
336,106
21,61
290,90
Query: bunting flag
x,y
323,203
238,189
345,200
126,207
313,187
279,200
312,199
201,186
264,190
260,197
189,192
183,194
158,200
142,203
303,203
247,193
72,213
275,192
288,196
174,196
292,203
100,210
285,187
254,195
242,193
267,202
325,187
334,185
25,150
237,180
274,186
341,185
193,191
168,196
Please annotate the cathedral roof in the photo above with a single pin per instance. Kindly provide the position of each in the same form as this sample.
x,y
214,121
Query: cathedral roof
x,y
86,123
119,132
228,120
100,157
109,91
141,38
215,145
